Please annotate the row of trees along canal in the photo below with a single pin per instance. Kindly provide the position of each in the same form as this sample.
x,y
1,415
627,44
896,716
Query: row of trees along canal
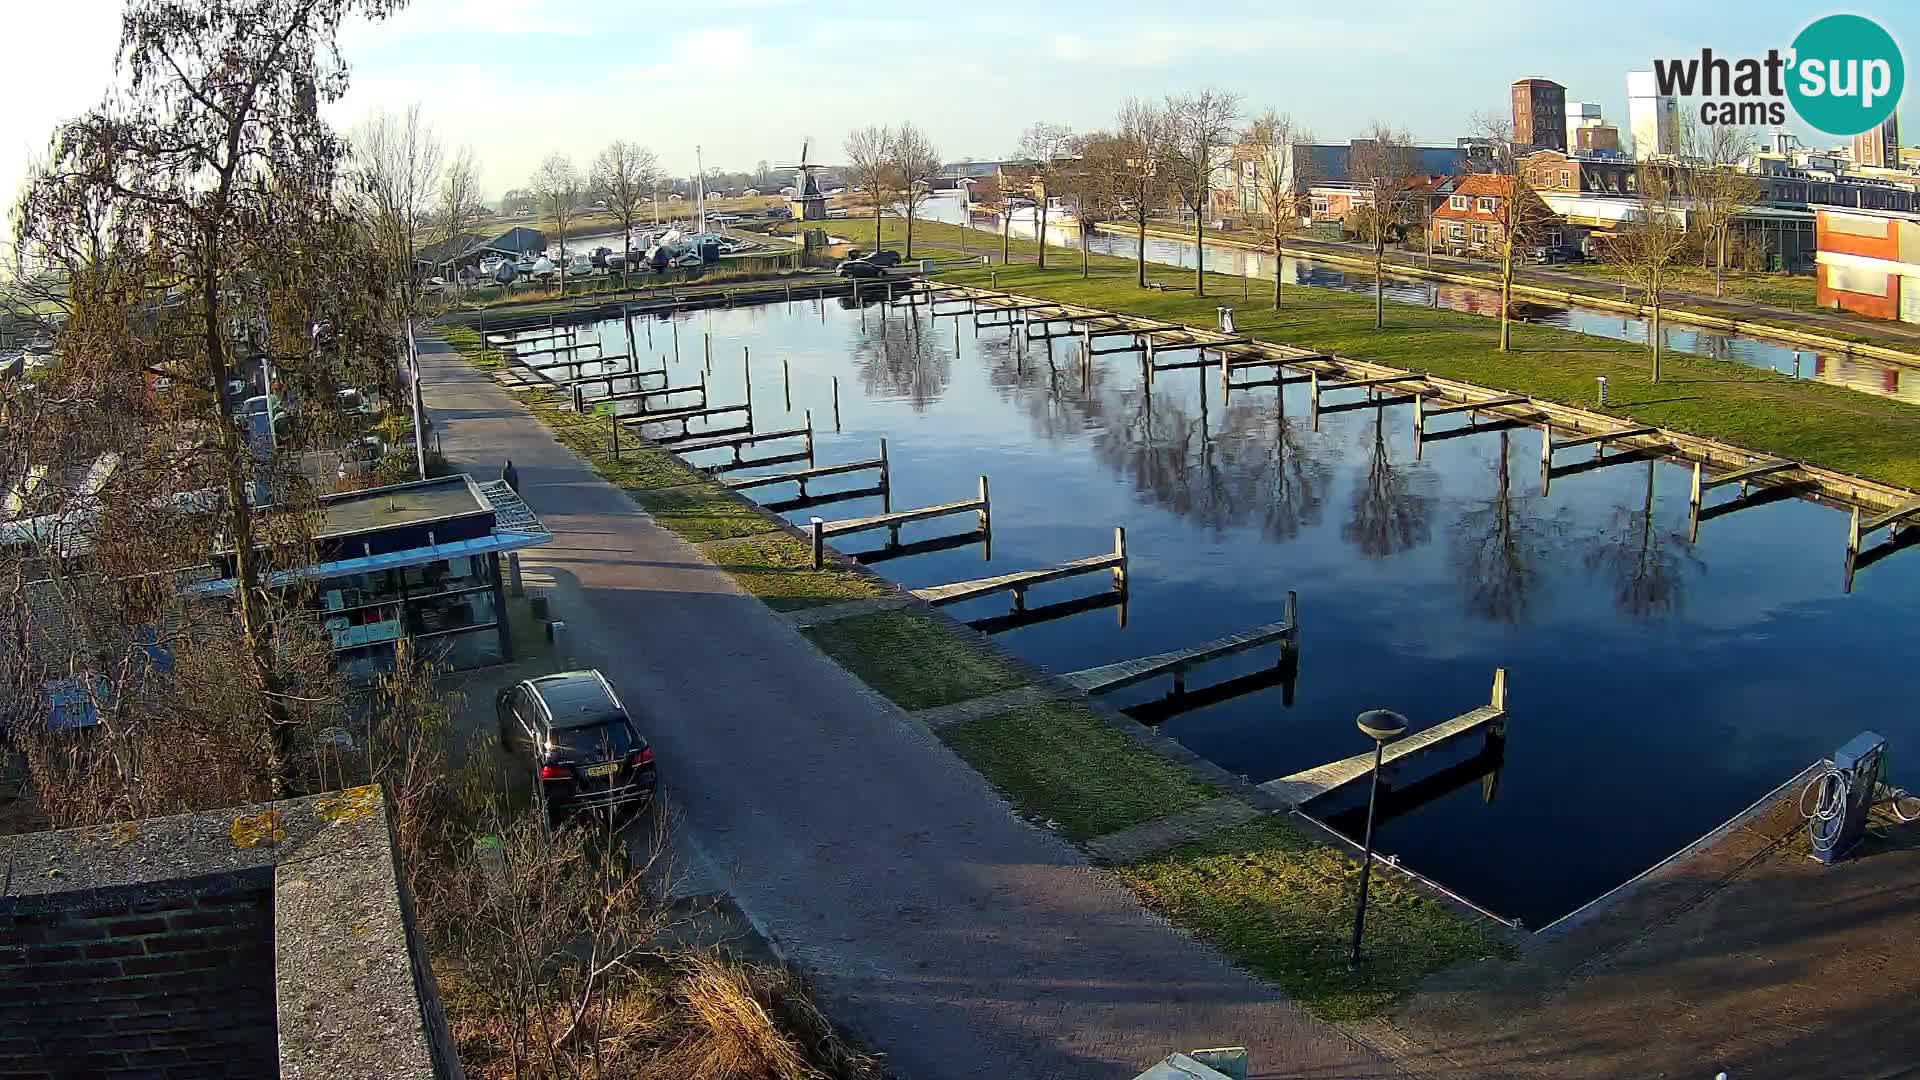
x,y
203,221
1173,154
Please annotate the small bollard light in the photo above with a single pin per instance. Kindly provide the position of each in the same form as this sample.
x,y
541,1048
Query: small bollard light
x,y
819,529
1796,363
1603,390
1382,726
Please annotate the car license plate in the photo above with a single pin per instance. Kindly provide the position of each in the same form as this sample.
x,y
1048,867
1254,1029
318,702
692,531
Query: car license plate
x,y
608,769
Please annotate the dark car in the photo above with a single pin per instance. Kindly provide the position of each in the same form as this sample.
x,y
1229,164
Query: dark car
x,y
579,740
861,268
883,258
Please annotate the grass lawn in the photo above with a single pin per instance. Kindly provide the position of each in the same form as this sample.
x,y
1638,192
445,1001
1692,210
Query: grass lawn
x,y
1795,291
913,660
1282,906
1060,762
700,512
779,570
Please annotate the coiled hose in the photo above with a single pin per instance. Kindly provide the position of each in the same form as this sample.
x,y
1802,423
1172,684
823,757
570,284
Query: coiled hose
x,y
1831,790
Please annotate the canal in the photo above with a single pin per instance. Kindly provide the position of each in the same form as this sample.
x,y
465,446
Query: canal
x,y
1657,686
1865,375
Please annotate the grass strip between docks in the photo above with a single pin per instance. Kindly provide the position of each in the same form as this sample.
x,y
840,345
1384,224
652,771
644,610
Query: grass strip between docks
x,y
1762,411
1276,901
1061,763
1282,905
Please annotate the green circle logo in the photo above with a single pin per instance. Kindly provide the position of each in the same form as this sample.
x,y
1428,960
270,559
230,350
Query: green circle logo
x,y
1847,74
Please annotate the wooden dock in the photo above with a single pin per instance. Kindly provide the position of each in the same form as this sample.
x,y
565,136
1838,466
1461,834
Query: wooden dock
x,y
1109,677
1018,582
685,418
1303,787
523,353
1893,519
738,443
1744,475
891,521
801,477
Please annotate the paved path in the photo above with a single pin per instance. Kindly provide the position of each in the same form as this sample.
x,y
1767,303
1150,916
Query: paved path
x,y
959,940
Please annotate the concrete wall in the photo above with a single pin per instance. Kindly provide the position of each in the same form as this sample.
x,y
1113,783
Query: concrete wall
x,y
169,988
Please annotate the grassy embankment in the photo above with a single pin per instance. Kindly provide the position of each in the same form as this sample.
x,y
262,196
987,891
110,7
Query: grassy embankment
x,y
1275,900
1759,410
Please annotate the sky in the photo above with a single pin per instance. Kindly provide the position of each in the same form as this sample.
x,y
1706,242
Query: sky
x,y
748,80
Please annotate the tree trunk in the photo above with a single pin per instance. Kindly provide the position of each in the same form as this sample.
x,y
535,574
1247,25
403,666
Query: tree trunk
x,y
1719,260
1141,255
1086,257
909,252
1006,236
1277,261
1379,279
1506,294
1040,231
1200,250
876,218
1654,337
1428,231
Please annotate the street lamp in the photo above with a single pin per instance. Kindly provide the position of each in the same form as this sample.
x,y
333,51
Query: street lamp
x,y
1382,726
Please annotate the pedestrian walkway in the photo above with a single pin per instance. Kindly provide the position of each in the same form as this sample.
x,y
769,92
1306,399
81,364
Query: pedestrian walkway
x,y
956,938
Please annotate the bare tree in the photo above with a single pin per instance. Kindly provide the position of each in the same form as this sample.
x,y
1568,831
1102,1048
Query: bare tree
x,y
870,166
1382,159
1048,147
1092,183
1520,217
1721,188
1143,130
915,164
624,176
1201,126
557,185
170,209
1646,245
460,208
1281,177
398,161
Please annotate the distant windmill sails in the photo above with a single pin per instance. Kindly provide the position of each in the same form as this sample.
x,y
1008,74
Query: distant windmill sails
x,y
807,202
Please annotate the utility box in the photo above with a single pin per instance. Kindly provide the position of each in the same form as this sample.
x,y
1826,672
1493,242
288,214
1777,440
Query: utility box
x,y
1846,795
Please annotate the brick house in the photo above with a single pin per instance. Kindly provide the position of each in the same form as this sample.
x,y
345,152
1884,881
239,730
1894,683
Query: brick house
x,y
1868,263
1471,216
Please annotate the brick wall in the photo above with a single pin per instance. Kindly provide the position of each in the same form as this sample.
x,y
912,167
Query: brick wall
x,y
171,988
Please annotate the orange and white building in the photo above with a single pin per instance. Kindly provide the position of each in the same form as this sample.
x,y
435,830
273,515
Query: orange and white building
x,y
1868,262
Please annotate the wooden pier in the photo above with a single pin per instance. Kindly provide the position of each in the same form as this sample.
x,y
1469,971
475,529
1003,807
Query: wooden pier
x,y
685,418
1109,677
801,477
1020,581
891,521
523,353
1893,519
738,443
1303,787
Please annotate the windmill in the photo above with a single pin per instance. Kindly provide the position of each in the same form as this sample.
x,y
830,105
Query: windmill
x,y
807,202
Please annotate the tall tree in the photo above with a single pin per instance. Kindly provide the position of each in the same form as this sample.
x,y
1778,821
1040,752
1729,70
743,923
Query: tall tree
x,y
193,180
1281,176
1646,245
1202,127
870,166
1382,161
624,176
460,208
557,185
1092,184
1520,217
1046,147
398,160
915,164
1140,185
1721,188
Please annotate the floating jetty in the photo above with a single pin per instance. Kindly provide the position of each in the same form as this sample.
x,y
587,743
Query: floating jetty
x,y
1110,677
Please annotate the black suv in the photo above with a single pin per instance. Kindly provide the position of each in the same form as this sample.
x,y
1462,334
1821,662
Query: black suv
x,y
582,744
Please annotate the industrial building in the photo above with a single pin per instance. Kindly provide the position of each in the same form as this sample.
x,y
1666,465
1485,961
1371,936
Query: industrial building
x,y
1653,118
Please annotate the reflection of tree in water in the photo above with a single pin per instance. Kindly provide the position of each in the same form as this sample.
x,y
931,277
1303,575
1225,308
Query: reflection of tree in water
x,y
1389,515
1256,469
1500,546
1647,567
1061,398
906,363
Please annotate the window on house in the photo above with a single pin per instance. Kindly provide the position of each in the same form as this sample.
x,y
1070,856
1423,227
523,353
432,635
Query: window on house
x,y
1566,178
1486,204
1480,234
1457,232
1553,237
1458,202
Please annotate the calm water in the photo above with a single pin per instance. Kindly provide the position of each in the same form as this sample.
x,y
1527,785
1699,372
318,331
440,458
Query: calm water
x,y
1867,376
1657,686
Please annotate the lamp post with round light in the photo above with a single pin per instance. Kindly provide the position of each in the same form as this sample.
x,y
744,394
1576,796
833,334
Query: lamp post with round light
x,y
1382,727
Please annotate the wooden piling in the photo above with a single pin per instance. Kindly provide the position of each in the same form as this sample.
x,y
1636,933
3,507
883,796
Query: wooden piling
x,y
676,337
746,371
616,437
786,380
836,404
809,436
986,506
819,543
708,336
1120,550
886,480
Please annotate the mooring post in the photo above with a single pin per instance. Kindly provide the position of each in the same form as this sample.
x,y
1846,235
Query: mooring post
x,y
786,380
577,399
1499,698
819,527
703,390
1693,496
616,437
836,404
708,336
1546,447
886,480
746,374
1120,549
676,337
1291,616
1420,417
986,506
809,438
1853,534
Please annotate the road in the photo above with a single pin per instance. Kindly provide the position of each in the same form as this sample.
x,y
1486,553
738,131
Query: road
x,y
938,927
